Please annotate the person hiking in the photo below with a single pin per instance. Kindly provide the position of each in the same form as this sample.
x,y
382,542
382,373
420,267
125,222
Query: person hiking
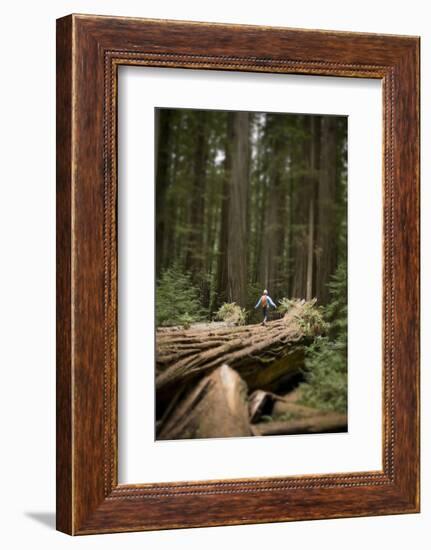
x,y
264,300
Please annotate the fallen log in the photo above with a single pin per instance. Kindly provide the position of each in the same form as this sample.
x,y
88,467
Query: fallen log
x,y
260,403
319,423
283,407
262,355
215,407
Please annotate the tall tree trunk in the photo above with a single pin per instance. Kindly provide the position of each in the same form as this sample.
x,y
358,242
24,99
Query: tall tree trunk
x,y
169,248
287,237
273,276
262,205
163,139
237,219
220,295
313,182
326,254
309,290
304,211
194,257
256,195
300,212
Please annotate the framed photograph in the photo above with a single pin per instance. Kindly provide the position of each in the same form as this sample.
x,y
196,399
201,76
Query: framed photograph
x,y
237,274
237,196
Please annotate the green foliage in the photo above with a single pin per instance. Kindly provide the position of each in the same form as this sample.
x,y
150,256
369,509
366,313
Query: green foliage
x,y
287,416
186,320
326,358
284,305
284,417
337,308
231,313
196,150
326,376
177,299
312,319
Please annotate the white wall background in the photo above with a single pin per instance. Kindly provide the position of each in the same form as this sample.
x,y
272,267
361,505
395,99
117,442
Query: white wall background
x,y
27,289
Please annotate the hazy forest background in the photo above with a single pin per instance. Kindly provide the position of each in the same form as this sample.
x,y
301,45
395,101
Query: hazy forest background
x,y
247,201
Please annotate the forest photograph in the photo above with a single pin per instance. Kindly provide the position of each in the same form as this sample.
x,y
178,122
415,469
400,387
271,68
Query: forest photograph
x,y
251,273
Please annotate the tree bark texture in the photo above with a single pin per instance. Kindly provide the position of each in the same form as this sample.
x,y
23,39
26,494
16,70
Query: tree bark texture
x,y
215,407
220,296
319,423
163,139
326,253
194,258
237,218
262,355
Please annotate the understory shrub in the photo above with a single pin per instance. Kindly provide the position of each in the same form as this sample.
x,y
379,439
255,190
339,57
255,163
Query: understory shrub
x,y
231,313
177,299
312,319
326,359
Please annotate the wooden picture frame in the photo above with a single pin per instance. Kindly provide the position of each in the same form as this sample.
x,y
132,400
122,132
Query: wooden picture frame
x,y
89,51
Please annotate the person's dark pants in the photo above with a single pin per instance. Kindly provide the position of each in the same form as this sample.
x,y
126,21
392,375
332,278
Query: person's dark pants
x,y
265,312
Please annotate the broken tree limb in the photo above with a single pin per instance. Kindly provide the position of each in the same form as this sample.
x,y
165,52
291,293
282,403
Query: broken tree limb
x,y
264,403
215,407
285,407
260,403
262,355
319,423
